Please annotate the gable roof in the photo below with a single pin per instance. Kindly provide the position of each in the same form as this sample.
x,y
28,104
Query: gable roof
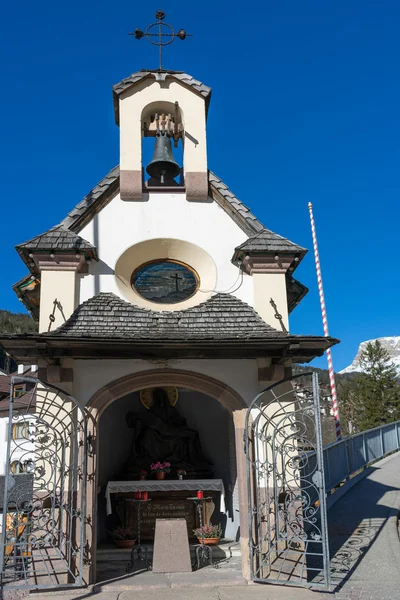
x,y
98,197
106,189
268,241
187,80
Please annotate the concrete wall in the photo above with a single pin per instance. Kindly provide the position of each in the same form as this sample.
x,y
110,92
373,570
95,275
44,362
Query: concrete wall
x,y
202,413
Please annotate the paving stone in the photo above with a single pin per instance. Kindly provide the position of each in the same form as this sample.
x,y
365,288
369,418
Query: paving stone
x,y
194,594
137,581
207,577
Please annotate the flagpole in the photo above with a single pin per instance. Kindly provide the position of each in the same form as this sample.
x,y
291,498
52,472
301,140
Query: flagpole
x,y
325,326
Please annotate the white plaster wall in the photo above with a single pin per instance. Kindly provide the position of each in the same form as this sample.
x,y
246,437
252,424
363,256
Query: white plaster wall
x,y
150,92
91,375
122,224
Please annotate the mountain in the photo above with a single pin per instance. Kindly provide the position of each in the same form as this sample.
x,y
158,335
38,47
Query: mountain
x,y
16,322
391,344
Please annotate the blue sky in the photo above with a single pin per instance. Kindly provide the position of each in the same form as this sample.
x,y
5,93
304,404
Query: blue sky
x,y
305,108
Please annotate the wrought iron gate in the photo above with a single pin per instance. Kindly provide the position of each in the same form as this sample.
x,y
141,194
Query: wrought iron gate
x,y
44,488
287,504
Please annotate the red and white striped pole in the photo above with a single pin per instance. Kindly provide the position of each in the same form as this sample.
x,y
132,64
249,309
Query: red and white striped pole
x,y
325,325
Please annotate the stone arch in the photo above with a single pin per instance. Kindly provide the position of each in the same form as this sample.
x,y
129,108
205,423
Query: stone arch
x,y
133,382
122,386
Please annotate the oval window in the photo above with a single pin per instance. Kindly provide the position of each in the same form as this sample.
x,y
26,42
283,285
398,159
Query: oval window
x,y
165,281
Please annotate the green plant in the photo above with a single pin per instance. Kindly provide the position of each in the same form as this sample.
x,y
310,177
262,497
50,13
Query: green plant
x,y
123,533
208,531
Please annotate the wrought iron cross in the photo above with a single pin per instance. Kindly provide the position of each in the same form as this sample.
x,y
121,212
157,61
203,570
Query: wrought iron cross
x,y
164,31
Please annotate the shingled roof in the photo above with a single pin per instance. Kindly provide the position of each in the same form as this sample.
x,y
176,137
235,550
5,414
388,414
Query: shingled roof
x,y
221,317
187,80
97,197
268,241
56,239
108,327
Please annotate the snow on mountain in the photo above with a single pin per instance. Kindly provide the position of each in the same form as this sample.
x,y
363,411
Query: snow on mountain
x,y
391,344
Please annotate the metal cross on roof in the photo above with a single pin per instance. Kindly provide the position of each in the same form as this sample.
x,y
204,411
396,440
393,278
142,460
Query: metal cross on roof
x,y
164,31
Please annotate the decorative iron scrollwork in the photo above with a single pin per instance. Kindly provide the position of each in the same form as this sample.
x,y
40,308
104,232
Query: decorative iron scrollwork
x,y
287,519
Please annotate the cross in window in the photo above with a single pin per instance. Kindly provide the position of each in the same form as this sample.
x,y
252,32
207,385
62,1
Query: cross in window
x,y
176,277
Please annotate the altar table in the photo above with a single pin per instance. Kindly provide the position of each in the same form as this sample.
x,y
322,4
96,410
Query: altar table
x,y
153,485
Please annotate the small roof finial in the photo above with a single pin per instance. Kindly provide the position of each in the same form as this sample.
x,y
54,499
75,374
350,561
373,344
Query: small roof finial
x,y
164,31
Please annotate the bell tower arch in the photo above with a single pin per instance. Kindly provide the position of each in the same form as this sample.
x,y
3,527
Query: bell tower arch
x,y
172,107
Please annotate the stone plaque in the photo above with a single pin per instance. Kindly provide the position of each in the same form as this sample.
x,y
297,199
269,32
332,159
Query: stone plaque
x,y
167,508
171,547
167,505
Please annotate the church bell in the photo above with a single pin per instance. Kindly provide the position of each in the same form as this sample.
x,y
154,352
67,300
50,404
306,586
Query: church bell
x,y
163,165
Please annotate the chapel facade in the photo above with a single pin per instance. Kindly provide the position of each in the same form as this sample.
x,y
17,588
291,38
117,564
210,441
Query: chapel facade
x,y
163,306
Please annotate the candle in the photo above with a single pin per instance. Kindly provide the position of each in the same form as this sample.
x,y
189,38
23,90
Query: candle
x,y
199,494
138,495
145,496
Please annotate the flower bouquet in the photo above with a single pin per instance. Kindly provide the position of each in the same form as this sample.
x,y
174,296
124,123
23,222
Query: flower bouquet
x,y
181,473
143,474
160,469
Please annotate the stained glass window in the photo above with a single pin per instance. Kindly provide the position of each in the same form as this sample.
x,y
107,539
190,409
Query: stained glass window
x,y
165,281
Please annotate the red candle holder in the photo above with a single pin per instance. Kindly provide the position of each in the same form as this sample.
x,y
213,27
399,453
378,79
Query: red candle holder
x,y
199,494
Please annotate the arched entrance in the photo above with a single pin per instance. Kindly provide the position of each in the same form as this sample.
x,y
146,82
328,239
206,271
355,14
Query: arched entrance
x,y
194,387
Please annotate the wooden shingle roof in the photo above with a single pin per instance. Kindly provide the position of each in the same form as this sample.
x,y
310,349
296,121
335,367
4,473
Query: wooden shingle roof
x,y
221,317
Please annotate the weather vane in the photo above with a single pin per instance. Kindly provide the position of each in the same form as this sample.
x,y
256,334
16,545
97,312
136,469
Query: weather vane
x,y
164,31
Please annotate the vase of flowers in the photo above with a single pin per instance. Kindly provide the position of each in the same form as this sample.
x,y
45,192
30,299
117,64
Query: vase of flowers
x,y
143,474
181,473
209,534
160,469
123,537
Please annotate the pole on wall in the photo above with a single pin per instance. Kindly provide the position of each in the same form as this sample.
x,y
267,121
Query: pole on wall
x,y
325,326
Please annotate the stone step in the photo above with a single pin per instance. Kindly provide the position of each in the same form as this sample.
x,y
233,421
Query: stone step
x,y
110,553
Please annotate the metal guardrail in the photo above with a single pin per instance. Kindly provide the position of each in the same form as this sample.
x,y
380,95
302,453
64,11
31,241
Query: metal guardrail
x,y
355,452
343,459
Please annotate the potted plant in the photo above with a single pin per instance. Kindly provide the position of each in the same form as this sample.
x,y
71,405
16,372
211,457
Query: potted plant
x,y
160,469
181,473
123,537
209,534
143,474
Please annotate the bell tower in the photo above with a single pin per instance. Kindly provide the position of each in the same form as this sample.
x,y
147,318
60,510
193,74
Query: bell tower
x,y
171,107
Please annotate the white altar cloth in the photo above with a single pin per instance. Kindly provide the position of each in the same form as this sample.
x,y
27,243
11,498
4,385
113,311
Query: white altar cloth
x,y
206,485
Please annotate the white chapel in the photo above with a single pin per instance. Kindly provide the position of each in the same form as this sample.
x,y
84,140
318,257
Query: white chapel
x,y
164,308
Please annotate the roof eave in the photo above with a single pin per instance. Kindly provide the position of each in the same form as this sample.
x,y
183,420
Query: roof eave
x,y
30,347
30,307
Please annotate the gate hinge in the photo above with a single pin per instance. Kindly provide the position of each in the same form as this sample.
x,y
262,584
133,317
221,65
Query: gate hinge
x,y
317,479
